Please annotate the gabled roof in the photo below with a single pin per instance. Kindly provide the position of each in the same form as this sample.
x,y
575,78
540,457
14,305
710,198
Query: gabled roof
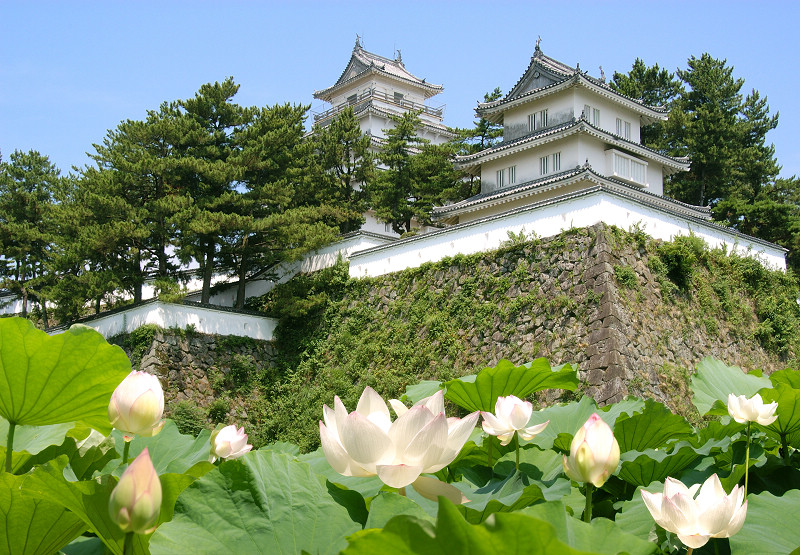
x,y
471,162
546,75
363,63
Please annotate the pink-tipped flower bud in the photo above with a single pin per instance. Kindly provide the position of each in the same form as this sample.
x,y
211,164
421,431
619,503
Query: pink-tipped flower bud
x,y
137,405
135,502
593,453
229,443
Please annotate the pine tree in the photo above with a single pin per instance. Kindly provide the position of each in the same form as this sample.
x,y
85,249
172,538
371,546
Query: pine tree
x,y
28,183
345,168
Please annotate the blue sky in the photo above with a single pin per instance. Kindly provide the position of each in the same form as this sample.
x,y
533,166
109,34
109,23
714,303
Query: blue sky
x,y
69,71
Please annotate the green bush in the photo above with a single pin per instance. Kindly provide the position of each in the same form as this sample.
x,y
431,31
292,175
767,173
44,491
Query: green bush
x,y
218,410
189,418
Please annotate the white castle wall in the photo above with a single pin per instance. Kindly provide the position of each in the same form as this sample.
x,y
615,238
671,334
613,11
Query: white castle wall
x,y
550,218
168,315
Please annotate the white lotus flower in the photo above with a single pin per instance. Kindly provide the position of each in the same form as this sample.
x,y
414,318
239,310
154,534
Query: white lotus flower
x,y
593,453
711,514
511,414
229,443
745,410
422,439
137,405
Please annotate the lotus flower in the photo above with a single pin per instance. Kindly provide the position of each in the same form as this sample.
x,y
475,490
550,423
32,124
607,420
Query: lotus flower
x,y
712,514
422,439
745,410
593,453
229,443
137,405
511,415
135,502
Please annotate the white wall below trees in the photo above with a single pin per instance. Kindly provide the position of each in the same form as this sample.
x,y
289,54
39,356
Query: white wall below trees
x,y
549,218
204,319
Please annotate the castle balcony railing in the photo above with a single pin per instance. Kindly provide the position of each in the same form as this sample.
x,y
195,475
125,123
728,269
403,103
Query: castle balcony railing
x,y
370,95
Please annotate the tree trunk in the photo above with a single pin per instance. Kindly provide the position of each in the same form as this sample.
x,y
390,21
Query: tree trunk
x,y
242,287
137,288
43,307
208,272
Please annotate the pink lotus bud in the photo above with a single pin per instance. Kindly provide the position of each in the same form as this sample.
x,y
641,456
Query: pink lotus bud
x,y
135,502
593,453
229,443
137,405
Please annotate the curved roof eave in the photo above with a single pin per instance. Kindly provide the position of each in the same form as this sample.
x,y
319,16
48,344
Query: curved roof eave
x,y
493,111
428,89
535,139
557,181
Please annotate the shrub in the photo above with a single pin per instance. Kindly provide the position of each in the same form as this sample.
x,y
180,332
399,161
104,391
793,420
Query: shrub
x,y
189,418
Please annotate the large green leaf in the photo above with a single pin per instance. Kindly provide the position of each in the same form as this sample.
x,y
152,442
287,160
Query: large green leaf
x,y
482,391
641,468
388,505
506,495
565,419
788,410
419,391
714,381
635,517
770,525
170,450
501,534
64,378
601,536
788,376
367,486
88,500
654,427
29,525
265,502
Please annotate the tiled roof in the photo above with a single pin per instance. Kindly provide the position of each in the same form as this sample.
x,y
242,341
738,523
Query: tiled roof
x,y
362,62
564,178
562,74
574,125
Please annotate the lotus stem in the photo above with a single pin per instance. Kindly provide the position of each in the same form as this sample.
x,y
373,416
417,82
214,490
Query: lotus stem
x,y
125,451
402,491
127,547
689,551
785,448
10,445
516,444
489,462
587,511
747,460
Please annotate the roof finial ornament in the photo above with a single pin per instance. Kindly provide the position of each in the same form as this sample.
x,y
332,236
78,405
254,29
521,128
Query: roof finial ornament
x,y
358,45
602,75
399,57
538,42
578,67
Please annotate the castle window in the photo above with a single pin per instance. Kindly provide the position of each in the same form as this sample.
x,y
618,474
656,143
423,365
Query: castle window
x,y
537,121
557,162
351,99
624,129
592,115
398,97
544,165
627,167
506,176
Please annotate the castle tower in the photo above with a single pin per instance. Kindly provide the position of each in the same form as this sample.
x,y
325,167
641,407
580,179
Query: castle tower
x,y
377,87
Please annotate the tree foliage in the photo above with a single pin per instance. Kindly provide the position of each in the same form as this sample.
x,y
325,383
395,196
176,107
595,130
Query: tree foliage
x,y
418,175
724,134
29,183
